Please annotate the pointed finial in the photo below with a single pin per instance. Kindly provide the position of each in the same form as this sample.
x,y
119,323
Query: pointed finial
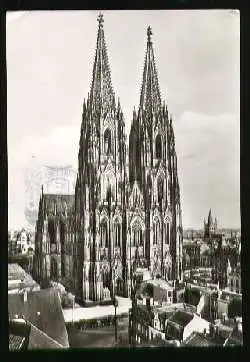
x,y
100,20
42,189
149,33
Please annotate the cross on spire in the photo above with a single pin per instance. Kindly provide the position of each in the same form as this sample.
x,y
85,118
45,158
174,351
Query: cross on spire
x,y
100,19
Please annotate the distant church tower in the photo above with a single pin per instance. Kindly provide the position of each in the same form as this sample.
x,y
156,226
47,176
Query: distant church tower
x,y
210,227
154,209
100,189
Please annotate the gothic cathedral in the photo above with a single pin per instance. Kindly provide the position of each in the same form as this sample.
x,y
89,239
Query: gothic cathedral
x,y
126,214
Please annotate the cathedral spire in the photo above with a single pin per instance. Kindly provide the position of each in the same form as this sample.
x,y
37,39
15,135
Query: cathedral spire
x,y
210,220
101,94
150,94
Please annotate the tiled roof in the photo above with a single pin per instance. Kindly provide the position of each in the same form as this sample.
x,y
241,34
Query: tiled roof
x,y
236,338
15,342
199,340
174,332
38,339
181,318
224,331
50,320
18,278
15,272
19,327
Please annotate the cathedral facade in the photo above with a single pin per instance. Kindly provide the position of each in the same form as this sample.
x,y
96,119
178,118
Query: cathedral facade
x,y
126,212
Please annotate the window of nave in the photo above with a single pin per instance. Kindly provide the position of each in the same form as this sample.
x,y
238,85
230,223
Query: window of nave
x,y
107,141
158,147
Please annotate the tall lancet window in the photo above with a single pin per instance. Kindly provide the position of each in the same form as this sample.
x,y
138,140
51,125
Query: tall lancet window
x,y
158,147
156,230
104,234
167,240
160,189
109,192
137,234
107,141
117,235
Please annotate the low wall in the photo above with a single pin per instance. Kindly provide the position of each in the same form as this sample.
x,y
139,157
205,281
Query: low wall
x,y
97,322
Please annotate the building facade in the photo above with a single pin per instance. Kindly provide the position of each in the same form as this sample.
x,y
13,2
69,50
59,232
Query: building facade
x,y
127,211
20,242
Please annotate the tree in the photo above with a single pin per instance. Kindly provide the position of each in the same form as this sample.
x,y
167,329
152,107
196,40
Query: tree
x,y
191,296
148,290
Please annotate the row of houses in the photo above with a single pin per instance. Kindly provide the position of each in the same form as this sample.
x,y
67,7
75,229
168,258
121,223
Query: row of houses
x,y
156,314
20,242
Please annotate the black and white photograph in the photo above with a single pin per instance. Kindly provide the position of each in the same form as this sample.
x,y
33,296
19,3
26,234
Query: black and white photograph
x,y
124,219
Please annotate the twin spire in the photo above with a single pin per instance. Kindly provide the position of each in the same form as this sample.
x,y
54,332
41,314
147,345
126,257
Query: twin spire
x,y
102,95
150,92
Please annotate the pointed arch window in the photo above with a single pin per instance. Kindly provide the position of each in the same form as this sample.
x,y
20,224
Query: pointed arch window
x,y
167,233
109,192
117,235
107,141
160,188
158,147
156,231
104,234
137,235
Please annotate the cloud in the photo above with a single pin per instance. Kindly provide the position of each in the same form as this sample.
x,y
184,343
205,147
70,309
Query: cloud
x,y
208,149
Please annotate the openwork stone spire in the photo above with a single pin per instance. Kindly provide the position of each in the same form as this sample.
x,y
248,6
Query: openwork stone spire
x,y
150,94
101,93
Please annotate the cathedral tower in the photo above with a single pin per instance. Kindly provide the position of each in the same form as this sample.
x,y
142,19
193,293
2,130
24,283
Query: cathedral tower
x,y
100,189
154,217
210,227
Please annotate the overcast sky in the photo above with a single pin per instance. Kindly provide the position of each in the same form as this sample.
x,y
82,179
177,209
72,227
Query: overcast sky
x,y
49,67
